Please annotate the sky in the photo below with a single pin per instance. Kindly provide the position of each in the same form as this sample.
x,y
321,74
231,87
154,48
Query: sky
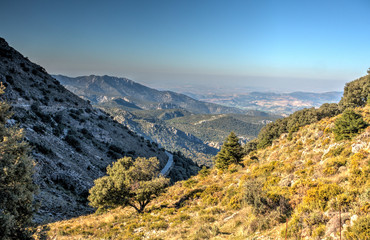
x,y
296,45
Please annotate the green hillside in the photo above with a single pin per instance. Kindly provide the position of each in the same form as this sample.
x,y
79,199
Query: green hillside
x,y
216,127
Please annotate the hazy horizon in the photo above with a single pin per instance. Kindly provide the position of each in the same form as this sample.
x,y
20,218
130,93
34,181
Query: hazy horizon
x,y
283,46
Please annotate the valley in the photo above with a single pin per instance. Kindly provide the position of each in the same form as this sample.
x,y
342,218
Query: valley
x,y
263,180
184,120
275,103
174,121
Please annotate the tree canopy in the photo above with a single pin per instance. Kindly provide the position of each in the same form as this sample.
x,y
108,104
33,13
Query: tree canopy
x,y
16,185
356,93
231,152
129,183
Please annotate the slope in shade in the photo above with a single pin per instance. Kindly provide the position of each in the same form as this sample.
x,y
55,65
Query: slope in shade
x,y
105,88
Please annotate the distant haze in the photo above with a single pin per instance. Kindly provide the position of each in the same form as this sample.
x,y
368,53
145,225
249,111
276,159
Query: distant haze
x,y
237,44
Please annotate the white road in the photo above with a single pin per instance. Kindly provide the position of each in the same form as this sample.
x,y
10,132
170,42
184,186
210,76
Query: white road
x,y
169,164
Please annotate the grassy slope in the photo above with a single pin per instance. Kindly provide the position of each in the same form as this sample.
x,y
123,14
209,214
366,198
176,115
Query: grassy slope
x,y
312,173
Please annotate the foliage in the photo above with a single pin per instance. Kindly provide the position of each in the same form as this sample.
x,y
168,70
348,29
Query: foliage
x,y
16,186
129,182
360,229
231,152
303,181
348,125
293,122
356,93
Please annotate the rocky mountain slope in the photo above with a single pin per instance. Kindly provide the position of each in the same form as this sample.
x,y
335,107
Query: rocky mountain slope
x,y
197,136
167,118
100,89
156,129
308,184
72,142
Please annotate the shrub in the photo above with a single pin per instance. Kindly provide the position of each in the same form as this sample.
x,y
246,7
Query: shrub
x,y
360,229
348,125
319,196
254,195
204,172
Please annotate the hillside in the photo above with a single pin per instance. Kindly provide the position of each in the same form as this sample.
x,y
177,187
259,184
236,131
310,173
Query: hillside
x,y
99,89
197,136
214,128
167,118
152,126
72,142
304,179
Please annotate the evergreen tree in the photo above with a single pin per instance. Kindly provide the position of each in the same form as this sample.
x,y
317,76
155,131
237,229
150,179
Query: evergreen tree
x,y
348,125
231,152
16,186
129,183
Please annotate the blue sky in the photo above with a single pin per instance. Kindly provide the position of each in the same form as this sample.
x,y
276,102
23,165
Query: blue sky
x,y
274,45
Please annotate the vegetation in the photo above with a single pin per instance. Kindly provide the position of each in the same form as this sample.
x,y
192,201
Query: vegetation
x,y
231,152
16,186
356,93
303,180
128,183
305,184
216,127
174,129
348,125
293,122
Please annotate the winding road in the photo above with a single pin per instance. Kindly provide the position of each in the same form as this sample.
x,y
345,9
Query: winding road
x,y
166,170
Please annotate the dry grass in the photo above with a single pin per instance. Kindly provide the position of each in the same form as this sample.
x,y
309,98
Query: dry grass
x,y
214,206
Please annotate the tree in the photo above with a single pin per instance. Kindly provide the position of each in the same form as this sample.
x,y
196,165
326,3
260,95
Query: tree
x,y
231,152
16,185
348,125
356,93
129,183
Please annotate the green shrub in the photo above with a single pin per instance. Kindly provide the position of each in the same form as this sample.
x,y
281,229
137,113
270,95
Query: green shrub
x,y
348,125
129,183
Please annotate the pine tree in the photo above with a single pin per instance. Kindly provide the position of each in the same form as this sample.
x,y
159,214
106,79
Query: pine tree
x,y
231,152
16,185
348,125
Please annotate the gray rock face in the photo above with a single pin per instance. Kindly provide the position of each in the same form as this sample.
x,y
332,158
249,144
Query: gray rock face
x,y
72,142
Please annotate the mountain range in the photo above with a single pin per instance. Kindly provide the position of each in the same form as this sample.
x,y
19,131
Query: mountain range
x,y
100,89
72,142
174,121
